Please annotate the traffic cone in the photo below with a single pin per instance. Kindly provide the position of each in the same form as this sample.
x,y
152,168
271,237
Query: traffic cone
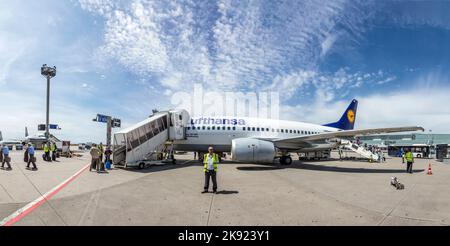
x,y
429,169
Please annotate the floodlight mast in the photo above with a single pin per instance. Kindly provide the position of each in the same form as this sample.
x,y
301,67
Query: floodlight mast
x,y
48,72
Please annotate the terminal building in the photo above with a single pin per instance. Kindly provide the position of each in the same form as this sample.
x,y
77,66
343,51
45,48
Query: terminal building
x,y
421,144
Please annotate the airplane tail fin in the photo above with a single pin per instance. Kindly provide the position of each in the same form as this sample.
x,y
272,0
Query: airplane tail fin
x,y
26,132
347,120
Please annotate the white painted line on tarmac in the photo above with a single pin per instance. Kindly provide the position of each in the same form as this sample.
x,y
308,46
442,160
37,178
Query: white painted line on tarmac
x,y
22,212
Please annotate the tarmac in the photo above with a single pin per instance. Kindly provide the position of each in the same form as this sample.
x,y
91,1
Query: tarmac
x,y
350,192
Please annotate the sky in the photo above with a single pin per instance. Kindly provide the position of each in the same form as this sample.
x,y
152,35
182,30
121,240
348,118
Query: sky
x,y
125,58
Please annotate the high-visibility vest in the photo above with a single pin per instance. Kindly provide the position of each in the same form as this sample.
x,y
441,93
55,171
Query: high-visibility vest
x,y
53,147
45,148
215,159
409,157
100,147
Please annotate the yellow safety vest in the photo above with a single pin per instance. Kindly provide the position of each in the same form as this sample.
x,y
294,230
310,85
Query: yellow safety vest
x,y
215,159
100,148
409,157
45,148
53,148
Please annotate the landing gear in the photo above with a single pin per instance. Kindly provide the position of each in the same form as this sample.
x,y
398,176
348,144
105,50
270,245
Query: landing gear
x,y
285,160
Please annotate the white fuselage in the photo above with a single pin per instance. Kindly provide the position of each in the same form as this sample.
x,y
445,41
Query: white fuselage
x,y
220,131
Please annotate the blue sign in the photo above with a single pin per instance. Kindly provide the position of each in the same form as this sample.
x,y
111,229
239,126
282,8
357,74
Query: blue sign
x,y
102,118
53,126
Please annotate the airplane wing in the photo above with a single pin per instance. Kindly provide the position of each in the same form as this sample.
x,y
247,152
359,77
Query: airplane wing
x,y
304,140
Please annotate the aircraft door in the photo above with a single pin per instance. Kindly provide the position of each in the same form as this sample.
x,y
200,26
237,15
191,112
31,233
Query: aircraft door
x,y
177,125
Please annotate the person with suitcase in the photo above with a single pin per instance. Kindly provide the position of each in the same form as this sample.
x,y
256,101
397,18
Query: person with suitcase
x,y
31,157
6,158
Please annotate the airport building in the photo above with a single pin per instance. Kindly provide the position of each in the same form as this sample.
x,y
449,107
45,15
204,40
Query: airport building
x,y
423,144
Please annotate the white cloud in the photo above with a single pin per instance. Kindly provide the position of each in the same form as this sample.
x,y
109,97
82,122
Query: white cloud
x,y
398,108
225,44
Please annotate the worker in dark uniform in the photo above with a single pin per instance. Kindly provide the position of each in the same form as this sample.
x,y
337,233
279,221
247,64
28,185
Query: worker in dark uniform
x,y
210,161
31,157
6,158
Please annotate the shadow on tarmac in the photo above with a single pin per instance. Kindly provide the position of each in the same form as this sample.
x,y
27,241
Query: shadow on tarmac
x,y
325,168
158,168
227,192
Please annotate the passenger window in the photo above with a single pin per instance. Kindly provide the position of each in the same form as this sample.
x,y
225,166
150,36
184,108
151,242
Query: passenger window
x,y
203,127
278,130
223,128
234,128
267,129
208,128
253,129
213,127
262,129
282,130
193,127
229,128
188,128
290,131
243,128
257,129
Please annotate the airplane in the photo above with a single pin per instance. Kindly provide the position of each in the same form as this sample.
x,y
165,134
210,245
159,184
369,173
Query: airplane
x,y
34,138
259,140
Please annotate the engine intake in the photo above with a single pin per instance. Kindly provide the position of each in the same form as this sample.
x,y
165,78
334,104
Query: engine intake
x,y
252,150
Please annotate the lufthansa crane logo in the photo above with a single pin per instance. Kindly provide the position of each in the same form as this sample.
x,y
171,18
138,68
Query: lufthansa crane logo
x,y
351,116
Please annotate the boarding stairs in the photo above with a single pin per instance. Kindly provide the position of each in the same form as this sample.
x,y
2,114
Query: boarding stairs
x,y
150,140
359,150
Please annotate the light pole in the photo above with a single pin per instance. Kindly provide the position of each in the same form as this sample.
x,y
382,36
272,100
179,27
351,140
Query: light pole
x,y
48,72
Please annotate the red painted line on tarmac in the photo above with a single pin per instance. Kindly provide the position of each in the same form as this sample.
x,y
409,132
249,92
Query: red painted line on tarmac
x,y
22,212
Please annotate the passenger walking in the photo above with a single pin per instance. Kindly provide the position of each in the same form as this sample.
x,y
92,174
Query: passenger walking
x,y
108,153
31,158
1,153
6,158
409,161
95,154
210,161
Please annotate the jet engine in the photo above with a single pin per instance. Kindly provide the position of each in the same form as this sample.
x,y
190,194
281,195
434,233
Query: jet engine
x,y
252,150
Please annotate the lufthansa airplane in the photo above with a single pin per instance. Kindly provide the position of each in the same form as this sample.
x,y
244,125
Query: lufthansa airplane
x,y
261,140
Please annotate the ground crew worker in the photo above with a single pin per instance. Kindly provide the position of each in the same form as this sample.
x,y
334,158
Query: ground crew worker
x,y
409,161
53,149
210,161
31,158
46,152
5,152
100,147
95,154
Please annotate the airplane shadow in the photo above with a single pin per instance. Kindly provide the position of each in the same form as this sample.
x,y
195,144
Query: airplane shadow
x,y
312,167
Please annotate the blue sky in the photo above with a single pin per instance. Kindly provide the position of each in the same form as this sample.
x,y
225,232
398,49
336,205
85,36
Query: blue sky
x,y
125,58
